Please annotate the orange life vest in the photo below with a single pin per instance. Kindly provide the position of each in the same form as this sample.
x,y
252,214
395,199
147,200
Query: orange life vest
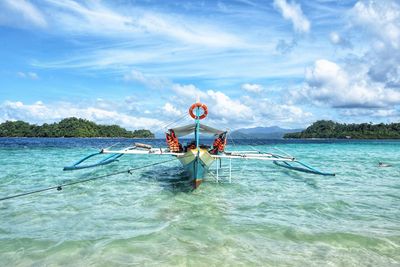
x,y
172,142
219,144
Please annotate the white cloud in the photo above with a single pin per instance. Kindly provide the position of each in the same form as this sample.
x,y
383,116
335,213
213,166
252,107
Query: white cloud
x,y
339,40
225,107
135,75
33,75
40,113
171,110
379,22
334,37
28,75
223,110
226,112
380,18
99,19
92,18
149,81
22,13
187,32
189,92
329,84
365,84
292,11
21,74
106,58
252,87
325,72
376,113
268,113
173,45
104,104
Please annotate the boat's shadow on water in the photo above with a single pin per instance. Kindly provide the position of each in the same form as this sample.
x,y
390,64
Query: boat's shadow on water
x,y
173,179
176,180
311,182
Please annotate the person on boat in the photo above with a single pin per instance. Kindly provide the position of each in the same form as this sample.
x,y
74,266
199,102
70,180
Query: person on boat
x,y
191,145
219,144
173,142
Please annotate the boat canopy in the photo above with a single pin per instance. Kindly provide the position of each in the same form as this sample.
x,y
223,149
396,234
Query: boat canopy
x,y
190,128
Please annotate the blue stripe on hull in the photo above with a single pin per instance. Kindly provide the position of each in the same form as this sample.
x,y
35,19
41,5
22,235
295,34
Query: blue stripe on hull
x,y
196,170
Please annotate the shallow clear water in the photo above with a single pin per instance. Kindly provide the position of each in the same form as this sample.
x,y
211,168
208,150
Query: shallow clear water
x,y
267,216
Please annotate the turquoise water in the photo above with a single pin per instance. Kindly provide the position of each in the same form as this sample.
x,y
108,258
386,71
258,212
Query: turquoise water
x,y
267,216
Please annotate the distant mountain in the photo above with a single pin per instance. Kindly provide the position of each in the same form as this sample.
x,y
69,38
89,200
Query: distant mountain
x,y
273,132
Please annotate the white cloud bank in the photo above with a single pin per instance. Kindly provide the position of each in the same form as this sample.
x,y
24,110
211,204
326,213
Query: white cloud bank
x,y
98,18
39,112
171,109
292,11
380,22
380,19
364,83
226,112
28,75
252,87
22,13
221,107
149,81
328,83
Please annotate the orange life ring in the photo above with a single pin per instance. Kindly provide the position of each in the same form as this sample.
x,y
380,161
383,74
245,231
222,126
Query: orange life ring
x,y
198,105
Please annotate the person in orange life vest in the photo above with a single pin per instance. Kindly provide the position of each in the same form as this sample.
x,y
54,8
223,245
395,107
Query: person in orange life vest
x,y
219,144
172,141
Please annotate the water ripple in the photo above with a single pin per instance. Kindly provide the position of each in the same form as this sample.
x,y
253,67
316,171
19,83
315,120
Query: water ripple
x,y
266,217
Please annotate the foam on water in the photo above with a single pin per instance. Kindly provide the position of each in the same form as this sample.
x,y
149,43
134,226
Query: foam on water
x,y
266,216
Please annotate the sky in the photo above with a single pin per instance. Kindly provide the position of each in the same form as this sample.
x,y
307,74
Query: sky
x,y
140,64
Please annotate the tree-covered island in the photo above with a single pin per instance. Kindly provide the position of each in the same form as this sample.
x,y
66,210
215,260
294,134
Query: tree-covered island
x,y
69,127
331,129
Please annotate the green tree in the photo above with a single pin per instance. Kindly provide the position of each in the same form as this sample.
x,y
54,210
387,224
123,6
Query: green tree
x,y
69,127
331,129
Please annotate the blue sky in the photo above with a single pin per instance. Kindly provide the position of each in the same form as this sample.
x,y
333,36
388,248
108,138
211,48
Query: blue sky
x,y
254,63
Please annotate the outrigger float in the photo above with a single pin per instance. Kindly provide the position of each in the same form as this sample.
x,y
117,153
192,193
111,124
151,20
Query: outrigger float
x,y
195,157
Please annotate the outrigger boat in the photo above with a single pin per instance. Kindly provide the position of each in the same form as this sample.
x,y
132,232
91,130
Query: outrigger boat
x,y
195,157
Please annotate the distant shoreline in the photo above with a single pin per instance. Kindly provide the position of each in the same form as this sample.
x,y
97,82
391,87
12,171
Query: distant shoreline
x,y
71,137
324,129
241,139
69,128
348,139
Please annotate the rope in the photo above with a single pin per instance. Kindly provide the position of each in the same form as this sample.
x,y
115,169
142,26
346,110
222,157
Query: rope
x,y
252,138
274,147
165,125
59,187
230,136
282,151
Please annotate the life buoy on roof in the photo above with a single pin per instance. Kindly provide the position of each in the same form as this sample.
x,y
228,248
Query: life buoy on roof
x,y
198,105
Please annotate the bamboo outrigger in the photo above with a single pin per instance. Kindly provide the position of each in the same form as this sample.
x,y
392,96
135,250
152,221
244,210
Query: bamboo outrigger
x,y
196,158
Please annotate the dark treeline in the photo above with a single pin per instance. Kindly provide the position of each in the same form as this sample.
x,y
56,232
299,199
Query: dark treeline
x,y
70,127
331,129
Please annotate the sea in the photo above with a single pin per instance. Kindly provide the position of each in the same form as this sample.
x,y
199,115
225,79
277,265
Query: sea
x,y
264,215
